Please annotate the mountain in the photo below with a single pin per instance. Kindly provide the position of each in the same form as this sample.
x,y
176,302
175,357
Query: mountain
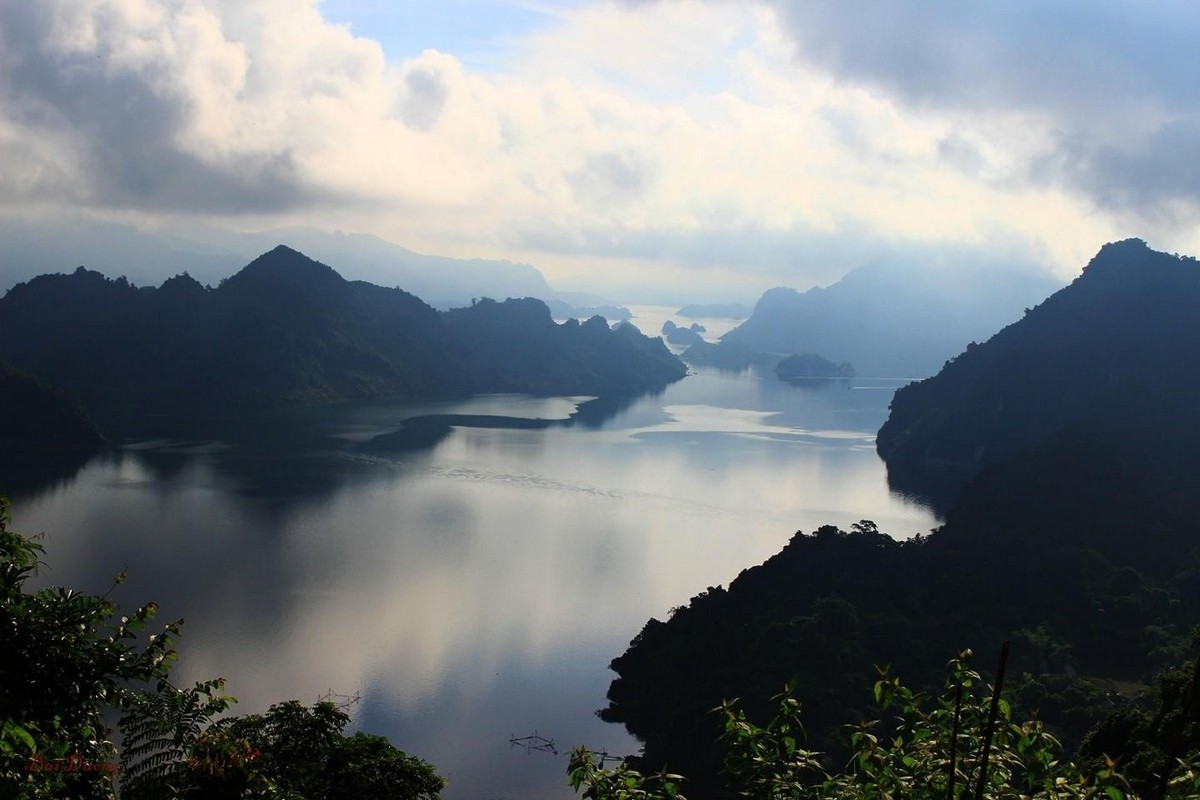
x,y
522,349
1069,439
888,319
808,367
33,246
1094,582
287,329
1113,359
43,435
715,311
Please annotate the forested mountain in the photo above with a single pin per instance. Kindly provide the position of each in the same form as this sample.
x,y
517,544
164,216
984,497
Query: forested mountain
x,y
888,320
1075,536
287,329
32,246
1112,359
519,348
1096,584
43,436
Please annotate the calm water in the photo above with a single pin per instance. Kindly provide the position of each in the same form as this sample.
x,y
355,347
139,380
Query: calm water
x,y
474,586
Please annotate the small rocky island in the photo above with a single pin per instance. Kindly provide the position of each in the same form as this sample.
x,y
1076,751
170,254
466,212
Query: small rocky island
x,y
810,366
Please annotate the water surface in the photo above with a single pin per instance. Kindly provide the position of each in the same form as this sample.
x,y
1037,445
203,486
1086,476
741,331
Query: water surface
x,y
471,586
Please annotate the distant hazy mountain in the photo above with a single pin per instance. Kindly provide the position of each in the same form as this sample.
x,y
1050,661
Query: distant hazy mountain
x,y
31,247
1112,360
677,334
560,309
287,329
890,320
806,366
715,310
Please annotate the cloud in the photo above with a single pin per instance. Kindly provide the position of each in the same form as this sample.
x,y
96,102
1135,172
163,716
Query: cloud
x,y
424,98
123,93
608,178
1114,85
786,146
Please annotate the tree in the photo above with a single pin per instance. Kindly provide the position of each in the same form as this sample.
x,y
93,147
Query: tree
x,y
921,748
295,751
67,658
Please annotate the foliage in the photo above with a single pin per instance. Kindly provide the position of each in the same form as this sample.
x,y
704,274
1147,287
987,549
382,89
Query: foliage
x,y
161,732
833,602
69,658
620,783
1110,358
294,751
921,747
1148,739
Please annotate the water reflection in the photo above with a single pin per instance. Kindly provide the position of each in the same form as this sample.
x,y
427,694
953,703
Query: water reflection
x,y
476,587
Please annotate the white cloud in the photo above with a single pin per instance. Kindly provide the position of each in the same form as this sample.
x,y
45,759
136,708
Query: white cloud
x,y
641,138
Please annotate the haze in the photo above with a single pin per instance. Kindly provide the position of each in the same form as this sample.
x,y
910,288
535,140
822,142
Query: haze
x,y
645,151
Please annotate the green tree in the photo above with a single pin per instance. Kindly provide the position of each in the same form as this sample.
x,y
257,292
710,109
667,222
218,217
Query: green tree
x,y
294,751
67,659
921,747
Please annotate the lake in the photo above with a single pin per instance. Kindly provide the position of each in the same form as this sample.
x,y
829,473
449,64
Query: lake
x,y
471,583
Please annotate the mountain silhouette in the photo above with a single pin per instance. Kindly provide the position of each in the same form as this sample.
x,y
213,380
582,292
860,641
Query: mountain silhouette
x,y
890,320
287,329
1110,359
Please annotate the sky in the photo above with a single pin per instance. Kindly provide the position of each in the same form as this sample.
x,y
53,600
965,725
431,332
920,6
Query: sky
x,y
717,146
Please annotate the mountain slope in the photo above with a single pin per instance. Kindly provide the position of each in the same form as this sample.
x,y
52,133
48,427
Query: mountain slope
x,y
43,436
1111,359
30,246
523,349
1073,436
890,320
287,329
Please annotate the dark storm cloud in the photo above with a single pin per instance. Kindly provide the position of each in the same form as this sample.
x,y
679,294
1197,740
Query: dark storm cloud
x,y
1075,55
1119,82
123,132
1135,175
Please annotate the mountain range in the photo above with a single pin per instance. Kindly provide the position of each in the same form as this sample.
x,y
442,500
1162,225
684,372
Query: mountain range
x,y
286,329
1113,359
1060,453
35,246
888,319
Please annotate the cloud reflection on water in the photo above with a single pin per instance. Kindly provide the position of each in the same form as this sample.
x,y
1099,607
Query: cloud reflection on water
x,y
479,587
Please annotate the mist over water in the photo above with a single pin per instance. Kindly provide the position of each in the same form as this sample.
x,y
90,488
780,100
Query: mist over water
x,y
473,588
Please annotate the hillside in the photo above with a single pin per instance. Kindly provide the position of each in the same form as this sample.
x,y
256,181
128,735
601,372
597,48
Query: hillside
x,y
43,436
1073,534
287,329
31,246
1069,554
521,349
888,320
1111,359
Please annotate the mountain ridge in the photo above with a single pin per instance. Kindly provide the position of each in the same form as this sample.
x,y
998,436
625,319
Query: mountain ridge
x,y
288,329
888,320
1120,342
